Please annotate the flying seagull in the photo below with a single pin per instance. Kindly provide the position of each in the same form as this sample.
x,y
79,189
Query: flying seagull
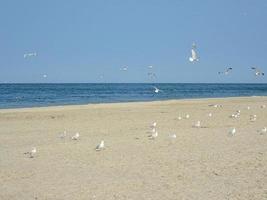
x,y
226,72
194,56
26,55
157,90
257,71
124,68
152,75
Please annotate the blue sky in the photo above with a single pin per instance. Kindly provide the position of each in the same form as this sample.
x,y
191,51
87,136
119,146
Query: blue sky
x,y
77,41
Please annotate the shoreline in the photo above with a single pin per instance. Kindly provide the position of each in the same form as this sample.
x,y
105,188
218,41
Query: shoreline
x,y
129,102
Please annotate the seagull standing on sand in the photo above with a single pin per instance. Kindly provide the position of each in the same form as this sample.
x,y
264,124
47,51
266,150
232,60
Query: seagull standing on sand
x,y
100,146
76,136
194,56
197,125
187,116
226,72
263,131
26,55
63,135
253,118
153,135
232,131
32,152
172,135
257,71
153,125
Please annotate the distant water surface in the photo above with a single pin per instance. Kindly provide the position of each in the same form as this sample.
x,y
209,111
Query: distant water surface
x,y
35,95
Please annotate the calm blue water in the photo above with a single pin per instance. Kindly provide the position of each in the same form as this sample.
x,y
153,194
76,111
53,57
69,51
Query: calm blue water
x,y
32,95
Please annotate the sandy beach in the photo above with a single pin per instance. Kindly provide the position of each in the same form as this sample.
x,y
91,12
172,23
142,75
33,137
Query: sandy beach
x,y
201,163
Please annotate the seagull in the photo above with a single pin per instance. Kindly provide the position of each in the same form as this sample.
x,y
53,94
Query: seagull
x,y
257,71
150,66
152,75
76,136
253,118
153,125
157,90
226,72
263,130
179,118
63,135
197,125
248,107
210,114
32,152
44,76
187,116
194,56
124,68
30,55
172,135
100,146
232,131
153,135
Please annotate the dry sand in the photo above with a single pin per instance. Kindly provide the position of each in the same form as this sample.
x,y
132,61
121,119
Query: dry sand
x,y
201,163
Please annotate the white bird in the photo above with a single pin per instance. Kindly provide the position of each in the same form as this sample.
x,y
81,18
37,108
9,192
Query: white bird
x,y
187,116
157,90
248,107
124,68
179,118
172,135
257,71
100,146
32,152
232,131
63,135
197,125
194,56
153,125
76,136
30,55
226,72
45,76
234,116
210,114
153,135
150,66
253,118
263,130
263,106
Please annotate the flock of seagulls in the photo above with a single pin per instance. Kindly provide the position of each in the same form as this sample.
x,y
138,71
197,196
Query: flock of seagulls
x,y
153,133
152,75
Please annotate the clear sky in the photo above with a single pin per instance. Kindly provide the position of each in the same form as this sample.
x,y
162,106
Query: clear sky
x,y
80,40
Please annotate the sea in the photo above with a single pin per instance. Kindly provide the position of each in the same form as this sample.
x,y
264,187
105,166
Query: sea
x,y
38,95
